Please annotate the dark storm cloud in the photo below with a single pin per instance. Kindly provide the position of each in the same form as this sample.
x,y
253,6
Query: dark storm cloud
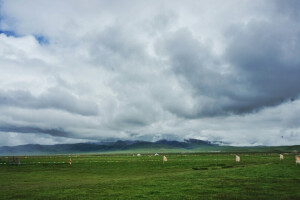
x,y
24,129
54,98
192,60
290,8
213,90
263,71
265,57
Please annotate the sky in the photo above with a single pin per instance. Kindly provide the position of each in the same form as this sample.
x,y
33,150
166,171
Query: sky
x,y
84,71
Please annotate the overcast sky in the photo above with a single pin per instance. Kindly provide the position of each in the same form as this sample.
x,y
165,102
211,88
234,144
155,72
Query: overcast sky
x,y
77,71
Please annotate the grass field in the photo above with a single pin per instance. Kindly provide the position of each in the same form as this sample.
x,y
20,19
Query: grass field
x,y
184,176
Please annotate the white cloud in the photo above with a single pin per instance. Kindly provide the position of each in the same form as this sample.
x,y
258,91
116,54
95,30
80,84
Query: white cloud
x,y
132,70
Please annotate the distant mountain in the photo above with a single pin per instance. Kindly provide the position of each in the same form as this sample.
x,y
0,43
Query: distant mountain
x,y
119,145
161,146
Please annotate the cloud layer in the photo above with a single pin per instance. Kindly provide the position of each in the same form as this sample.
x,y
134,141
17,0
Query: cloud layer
x,y
80,71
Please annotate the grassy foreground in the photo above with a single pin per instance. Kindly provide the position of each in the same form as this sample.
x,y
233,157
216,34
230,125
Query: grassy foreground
x,y
184,176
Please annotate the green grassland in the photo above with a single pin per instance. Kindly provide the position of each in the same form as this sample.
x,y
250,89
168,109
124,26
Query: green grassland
x,y
124,176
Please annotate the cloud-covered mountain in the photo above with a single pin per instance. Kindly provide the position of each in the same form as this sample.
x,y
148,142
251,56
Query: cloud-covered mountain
x,y
104,147
144,147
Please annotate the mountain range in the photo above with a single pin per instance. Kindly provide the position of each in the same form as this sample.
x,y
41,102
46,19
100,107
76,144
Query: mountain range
x,y
161,146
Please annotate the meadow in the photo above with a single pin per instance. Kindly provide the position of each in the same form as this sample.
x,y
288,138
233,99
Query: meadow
x,y
124,176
